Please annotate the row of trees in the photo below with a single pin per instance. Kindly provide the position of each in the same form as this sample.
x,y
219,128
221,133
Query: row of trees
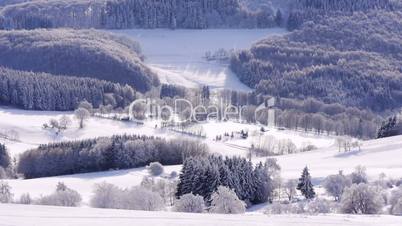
x,y
123,14
41,91
117,152
83,53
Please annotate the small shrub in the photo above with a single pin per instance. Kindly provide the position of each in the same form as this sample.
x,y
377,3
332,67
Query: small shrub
x,y
155,168
396,202
25,199
190,203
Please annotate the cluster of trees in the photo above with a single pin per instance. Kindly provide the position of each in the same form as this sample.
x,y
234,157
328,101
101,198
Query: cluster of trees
x,y
391,127
41,91
123,14
315,10
361,72
135,198
83,53
62,196
172,91
313,115
203,175
354,193
117,152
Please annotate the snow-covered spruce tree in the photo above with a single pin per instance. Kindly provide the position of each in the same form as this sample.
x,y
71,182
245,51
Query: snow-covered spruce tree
x,y
335,185
305,186
264,186
361,199
225,201
190,203
4,157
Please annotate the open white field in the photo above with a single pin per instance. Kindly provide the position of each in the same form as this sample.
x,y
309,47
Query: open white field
x,y
20,215
177,55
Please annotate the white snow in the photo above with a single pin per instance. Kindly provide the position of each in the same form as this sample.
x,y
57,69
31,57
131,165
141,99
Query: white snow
x,y
22,215
379,156
177,55
84,183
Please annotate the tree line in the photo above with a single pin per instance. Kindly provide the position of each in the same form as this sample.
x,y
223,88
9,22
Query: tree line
x,y
125,14
41,91
101,154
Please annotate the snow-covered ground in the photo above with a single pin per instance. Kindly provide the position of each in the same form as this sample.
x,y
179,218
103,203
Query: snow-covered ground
x,y
177,55
84,183
21,215
379,156
28,125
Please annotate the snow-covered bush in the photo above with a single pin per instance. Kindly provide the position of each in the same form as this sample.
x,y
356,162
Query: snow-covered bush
x,y
361,199
225,200
396,202
25,199
5,193
278,208
190,203
155,168
61,197
3,173
319,206
139,198
336,184
105,196
359,175
286,208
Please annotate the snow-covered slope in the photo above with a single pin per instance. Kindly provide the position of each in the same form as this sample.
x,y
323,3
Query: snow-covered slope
x,y
21,215
177,55
379,156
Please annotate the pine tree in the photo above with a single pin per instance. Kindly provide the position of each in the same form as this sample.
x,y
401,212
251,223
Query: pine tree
x,y
305,186
278,18
4,157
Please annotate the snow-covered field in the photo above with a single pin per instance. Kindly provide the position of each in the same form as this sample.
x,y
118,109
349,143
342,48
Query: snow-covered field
x,y
378,156
21,215
177,55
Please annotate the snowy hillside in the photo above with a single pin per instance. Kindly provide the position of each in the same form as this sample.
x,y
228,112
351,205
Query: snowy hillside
x,y
378,156
21,215
177,55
